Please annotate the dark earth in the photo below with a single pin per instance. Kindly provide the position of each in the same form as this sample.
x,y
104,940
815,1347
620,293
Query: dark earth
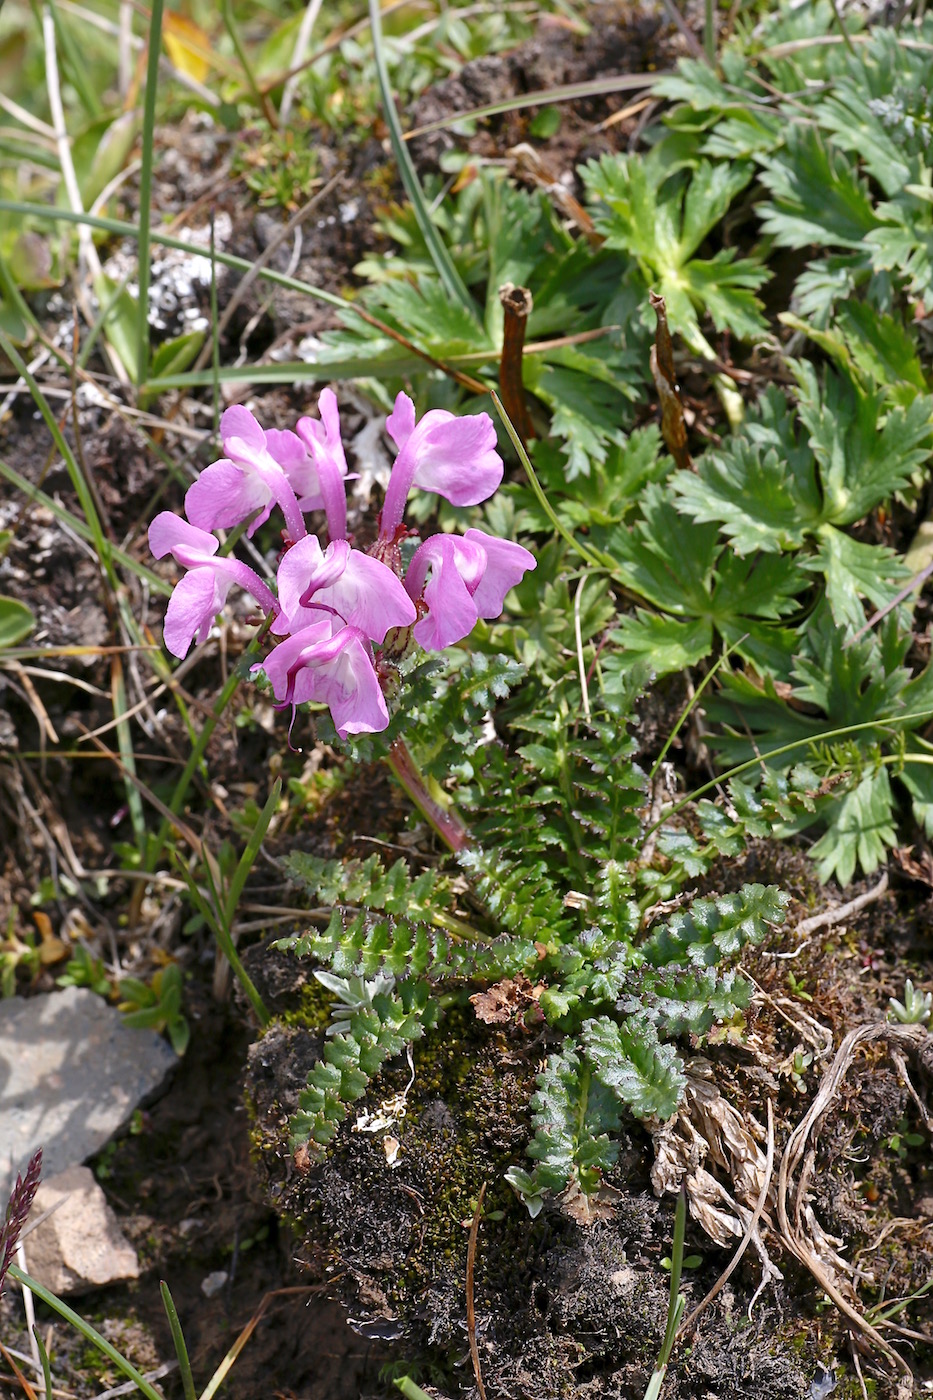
x,y
356,1270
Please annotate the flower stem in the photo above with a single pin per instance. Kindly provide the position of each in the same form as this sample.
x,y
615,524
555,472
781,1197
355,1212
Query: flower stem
x,y
444,820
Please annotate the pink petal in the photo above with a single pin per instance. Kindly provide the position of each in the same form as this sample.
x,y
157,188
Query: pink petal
x,y
224,495
400,423
456,569
349,686
238,422
195,602
506,565
283,657
168,533
289,452
457,457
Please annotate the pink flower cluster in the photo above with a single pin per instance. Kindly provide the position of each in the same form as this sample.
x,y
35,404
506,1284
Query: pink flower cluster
x,y
332,607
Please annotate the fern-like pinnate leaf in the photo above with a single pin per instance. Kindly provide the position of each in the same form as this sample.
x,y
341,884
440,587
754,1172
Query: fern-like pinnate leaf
x,y
628,1058
374,1029
715,928
572,1116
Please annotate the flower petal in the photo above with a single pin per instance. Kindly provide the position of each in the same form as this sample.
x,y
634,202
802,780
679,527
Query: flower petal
x,y
195,602
224,495
456,569
400,423
238,422
169,534
506,565
457,457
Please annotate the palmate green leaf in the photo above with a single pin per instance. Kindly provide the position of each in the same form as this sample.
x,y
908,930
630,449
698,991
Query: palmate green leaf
x,y
860,829
817,195
865,450
847,113
725,287
665,558
588,413
853,682
882,348
825,282
902,244
630,1060
668,643
853,570
760,486
766,587
663,226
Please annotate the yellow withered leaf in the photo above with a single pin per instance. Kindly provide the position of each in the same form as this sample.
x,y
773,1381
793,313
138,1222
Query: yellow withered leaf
x,y
187,46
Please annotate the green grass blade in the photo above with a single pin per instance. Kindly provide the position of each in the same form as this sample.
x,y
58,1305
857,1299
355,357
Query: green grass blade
x,y
145,192
178,1341
248,858
585,554
566,92
76,67
166,240
125,744
86,1330
101,544
44,1363
440,255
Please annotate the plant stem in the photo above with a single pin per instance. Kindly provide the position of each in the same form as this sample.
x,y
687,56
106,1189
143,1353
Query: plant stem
x,y
444,820
145,192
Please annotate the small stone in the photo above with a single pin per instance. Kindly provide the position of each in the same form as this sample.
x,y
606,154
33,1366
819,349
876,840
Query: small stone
x,y
79,1246
71,1075
213,1283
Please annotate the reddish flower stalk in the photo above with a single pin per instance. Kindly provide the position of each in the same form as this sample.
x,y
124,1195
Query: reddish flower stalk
x,y
445,820
18,1208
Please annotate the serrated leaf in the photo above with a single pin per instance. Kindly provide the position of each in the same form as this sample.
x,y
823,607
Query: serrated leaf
x,y
860,830
817,194
854,570
630,1060
713,928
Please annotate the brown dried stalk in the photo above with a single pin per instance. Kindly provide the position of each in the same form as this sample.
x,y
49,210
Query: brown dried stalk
x,y
673,427
516,304
18,1208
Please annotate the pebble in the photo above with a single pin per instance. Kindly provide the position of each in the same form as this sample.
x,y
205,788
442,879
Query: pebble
x,y
79,1246
71,1075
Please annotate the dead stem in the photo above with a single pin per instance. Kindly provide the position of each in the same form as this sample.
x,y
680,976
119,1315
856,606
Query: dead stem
x,y
516,304
661,360
797,1232
690,1322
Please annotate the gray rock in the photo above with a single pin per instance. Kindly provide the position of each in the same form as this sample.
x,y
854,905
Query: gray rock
x,y
79,1246
71,1075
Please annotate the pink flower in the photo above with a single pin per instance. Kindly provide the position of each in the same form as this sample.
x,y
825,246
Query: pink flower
x,y
357,589
202,593
323,485
247,478
456,457
461,580
333,667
